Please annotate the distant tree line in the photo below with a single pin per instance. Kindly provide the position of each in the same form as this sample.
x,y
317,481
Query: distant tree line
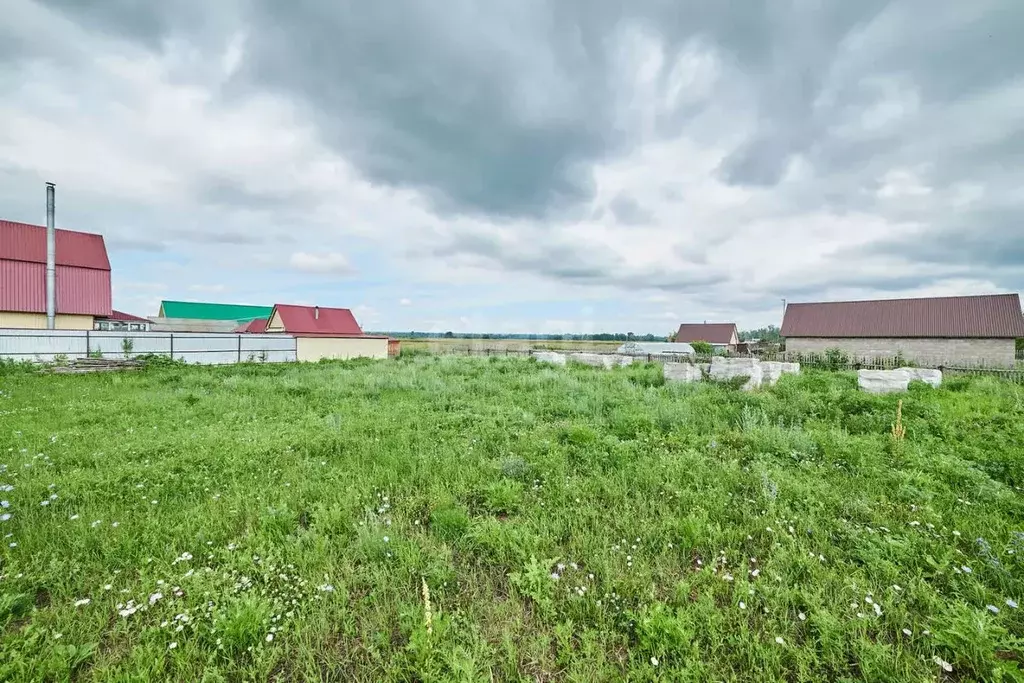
x,y
601,336
768,334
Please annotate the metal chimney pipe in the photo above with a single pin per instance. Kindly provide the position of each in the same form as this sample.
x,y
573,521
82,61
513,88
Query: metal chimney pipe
x,y
316,313
51,258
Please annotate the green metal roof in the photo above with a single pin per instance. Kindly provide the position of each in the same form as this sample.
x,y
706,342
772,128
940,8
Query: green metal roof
x,y
197,310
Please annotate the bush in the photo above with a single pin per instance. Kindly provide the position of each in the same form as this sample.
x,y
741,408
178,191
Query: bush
x,y
702,348
836,359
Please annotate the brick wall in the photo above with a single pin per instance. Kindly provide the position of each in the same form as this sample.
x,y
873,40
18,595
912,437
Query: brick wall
x,y
992,352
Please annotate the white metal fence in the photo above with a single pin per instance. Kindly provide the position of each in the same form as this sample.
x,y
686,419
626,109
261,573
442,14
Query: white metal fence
x,y
44,346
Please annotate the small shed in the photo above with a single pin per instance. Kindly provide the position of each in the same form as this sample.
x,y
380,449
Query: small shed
x,y
655,349
322,332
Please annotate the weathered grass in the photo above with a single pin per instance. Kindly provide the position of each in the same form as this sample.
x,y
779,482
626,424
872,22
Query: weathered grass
x,y
347,488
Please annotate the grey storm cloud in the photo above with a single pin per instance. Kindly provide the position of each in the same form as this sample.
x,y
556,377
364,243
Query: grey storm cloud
x,y
574,263
502,109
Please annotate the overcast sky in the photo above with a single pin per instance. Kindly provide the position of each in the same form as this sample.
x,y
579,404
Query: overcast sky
x,y
524,165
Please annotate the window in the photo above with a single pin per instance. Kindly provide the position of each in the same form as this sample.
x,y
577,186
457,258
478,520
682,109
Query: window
x,y
138,327
103,325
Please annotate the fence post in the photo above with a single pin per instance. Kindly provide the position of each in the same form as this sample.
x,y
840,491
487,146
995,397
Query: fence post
x,y
239,348
172,346
87,343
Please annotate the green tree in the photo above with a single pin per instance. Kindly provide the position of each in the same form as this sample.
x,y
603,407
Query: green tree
x,y
702,347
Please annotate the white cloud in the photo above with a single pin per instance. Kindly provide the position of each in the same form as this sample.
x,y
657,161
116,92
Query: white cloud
x,y
330,263
405,302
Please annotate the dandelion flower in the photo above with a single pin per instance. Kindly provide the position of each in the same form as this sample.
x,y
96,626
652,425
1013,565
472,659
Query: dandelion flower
x,y
780,640
83,601
654,661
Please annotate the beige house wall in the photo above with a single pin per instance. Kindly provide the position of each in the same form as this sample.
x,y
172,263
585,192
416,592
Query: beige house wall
x,y
936,351
37,321
275,324
315,348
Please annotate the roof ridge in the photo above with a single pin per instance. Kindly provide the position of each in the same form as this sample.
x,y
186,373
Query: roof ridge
x,y
903,298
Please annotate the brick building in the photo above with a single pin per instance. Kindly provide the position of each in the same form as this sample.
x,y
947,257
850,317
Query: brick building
x,y
958,330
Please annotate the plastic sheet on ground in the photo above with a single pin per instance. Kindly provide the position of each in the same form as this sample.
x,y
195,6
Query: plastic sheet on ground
x,y
682,372
883,381
728,368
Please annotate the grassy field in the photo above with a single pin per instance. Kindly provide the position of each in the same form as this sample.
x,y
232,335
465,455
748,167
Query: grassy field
x,y
465,519
499,346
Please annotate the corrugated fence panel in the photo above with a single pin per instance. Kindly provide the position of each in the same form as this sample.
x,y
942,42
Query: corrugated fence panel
x,y
206,349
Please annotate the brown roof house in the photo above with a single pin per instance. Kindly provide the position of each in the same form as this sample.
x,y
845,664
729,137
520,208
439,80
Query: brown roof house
x,y
719,335
955,330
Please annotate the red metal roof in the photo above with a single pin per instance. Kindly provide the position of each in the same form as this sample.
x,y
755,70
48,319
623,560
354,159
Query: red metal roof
x,y
312,320
25,242
80,291
257,326
988,316
713,333
127,317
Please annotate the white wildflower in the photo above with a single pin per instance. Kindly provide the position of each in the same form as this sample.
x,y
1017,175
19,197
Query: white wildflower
x,y
172,645
992,608
780,640
4,504
1011,603
802,616
73,517
946,666
83,601
654,661
5,516
907,632
965,569
155,597
743,605
270,637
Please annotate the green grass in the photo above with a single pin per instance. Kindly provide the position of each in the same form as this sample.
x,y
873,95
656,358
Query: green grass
x,y
720,534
